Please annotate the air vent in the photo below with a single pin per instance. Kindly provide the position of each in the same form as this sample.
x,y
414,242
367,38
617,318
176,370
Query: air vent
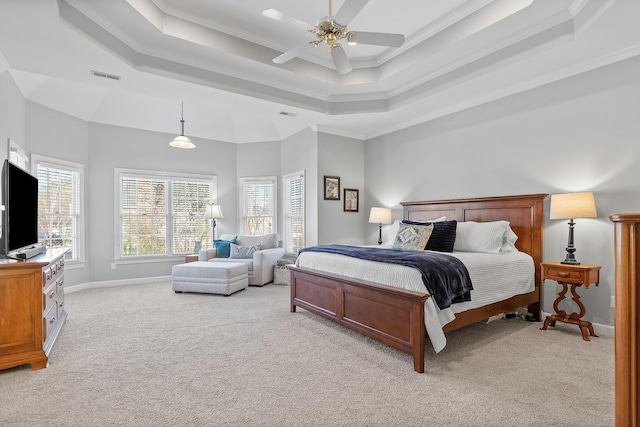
x,y
288,114
105,75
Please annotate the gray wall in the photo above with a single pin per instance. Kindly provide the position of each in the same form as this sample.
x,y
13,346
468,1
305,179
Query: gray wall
x,y
54,134
118,147
300,153
12,114
343,157
580,134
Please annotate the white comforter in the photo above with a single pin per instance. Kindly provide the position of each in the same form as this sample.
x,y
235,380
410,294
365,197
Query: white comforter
x,y
494,278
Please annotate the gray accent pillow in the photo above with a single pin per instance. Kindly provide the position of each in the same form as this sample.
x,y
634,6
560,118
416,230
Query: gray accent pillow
x,y
412,237
243,251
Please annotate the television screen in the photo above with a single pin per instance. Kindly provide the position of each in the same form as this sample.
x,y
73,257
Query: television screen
x,y
20,199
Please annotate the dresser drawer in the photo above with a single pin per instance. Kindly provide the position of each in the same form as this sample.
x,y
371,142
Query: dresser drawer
x,y
561,275
49,324
49,298
60,303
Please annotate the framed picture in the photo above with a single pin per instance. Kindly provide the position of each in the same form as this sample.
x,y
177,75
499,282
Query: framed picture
x,y
331,187
350,200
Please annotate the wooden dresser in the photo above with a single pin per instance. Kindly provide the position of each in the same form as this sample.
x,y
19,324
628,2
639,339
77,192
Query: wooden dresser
x,y
31,309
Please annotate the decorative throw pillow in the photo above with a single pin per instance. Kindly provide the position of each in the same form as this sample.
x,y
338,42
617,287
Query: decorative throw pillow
x,y
443,236
223,248
243,251
393,229
412,237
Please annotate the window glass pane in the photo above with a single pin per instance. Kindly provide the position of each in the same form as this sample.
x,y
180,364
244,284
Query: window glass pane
x,y
189,201
143,215
59,202
294,213
163,215
259,206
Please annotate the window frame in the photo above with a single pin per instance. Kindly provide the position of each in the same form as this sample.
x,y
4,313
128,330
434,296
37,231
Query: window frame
x,y
78,254
169,177
243,182
285,231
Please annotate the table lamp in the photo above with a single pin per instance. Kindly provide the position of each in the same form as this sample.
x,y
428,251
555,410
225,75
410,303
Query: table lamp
x,y
571,206
213,212
380,216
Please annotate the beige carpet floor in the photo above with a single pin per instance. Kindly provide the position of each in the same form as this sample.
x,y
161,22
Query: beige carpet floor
x,y
142,355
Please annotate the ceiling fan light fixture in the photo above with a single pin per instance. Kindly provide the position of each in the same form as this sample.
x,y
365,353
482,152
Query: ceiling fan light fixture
x,y
332,30
182,141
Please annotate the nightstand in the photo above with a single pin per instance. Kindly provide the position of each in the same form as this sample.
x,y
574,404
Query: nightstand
x,y
574,275
191,258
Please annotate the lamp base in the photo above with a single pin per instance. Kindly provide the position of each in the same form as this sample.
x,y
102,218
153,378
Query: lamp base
x,y
571,262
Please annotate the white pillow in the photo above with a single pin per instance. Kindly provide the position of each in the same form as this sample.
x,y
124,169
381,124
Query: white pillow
x,y
495,237
393,230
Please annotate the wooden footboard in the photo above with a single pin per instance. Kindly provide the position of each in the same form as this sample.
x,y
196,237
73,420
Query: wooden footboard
x,y
390,315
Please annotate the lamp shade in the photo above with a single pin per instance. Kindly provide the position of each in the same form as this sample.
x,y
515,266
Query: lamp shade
x,y
213,212
573,205
380,215
182,141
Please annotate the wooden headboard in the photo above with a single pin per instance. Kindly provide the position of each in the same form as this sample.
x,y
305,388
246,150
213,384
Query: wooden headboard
x,y
524,212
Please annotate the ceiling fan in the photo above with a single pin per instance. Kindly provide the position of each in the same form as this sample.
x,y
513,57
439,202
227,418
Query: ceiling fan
x,y
332,30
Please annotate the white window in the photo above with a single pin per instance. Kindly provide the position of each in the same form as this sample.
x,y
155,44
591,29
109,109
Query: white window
x,y
60,205
160,214
258,205
293,233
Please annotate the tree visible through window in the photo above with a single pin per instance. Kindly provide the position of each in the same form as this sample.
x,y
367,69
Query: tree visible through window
x,y
161,214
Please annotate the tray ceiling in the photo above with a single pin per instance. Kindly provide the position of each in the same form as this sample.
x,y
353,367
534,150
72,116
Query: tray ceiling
x,y
216,57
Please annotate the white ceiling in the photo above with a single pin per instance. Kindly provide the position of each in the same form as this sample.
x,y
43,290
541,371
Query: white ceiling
x,y
215,55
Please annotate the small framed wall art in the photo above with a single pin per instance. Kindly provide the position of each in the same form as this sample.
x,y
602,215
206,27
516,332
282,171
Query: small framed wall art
x,y
331,187
351,200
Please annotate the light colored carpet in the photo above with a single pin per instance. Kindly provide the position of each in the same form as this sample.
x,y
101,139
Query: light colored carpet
x,y
141,355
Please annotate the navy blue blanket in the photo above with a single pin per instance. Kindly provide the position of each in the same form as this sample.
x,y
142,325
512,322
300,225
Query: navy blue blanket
x,y
445,277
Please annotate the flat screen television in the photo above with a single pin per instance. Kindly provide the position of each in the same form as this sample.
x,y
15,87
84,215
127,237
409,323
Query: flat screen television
x,y
20,215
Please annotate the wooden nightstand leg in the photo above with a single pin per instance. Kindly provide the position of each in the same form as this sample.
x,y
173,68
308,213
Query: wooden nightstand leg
x,y
585,336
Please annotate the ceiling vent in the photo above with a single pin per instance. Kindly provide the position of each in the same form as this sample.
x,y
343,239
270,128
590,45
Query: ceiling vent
x,y
288,114
105,75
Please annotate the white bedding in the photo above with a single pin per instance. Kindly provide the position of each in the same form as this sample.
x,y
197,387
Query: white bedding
x,y
494,278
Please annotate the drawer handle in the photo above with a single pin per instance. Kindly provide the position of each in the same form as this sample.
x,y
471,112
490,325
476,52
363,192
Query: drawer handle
x,y
563,274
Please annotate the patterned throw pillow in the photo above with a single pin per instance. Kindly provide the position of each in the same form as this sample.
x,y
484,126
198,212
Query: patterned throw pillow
x,y
223,249
243,251
443,236
412,237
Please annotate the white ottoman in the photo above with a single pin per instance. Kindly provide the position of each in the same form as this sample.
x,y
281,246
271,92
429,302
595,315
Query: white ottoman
x,y
222,278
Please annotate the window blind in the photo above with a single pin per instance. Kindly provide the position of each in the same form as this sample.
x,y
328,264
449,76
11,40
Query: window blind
x,y
293,185
258,205
59,206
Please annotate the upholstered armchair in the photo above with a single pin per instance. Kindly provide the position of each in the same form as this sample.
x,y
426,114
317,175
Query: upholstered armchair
x,y
234,248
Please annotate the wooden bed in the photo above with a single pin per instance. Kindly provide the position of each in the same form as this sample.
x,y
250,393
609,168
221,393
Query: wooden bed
x,y
395,316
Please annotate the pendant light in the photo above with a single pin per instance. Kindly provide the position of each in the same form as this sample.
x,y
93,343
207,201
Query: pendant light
x,y
182,141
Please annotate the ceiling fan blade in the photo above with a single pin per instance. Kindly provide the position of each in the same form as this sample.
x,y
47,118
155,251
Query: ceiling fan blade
x,y
380,39
289,55
343,66
349,10
286,19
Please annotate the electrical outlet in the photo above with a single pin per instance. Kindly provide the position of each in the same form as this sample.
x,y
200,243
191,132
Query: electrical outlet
x,y
613,301
113,265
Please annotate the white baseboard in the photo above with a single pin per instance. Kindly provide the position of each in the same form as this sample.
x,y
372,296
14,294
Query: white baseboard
x,y
604,330
109,283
